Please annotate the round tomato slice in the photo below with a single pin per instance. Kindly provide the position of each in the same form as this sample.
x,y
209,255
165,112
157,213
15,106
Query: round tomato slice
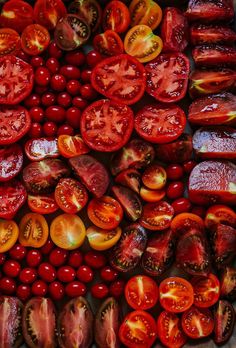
x,y
67,231
146,12
160,123
9,233
157,216
106,126
116,16
197,322
70,195
105,212
176,294
9,41
141,292
12,196
138,330
33,230
108,43
141,43
71,145
154,177
16,81
121,78
44,204
41,148
184,222
48,12
206,290
100,239
167,77
34,39
90,10
219,214
16,14
169,330
11,162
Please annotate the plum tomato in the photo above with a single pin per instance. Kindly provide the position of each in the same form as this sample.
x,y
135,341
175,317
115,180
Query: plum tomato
x,y
174,172
13,196
33,230
116,16
56,291
35,39
47,272
206,290
48,12
169,330
130,178
108,43
41,148
224,317
17,252
184,222
175,190
16,15
23,292
100,239
219,214
10,41
154,177
214,55
129,201
181,205
145,12
75,289
85,274
116,288
71,146
211,34
228,284
47,247
210,11
108,274
157,216
95,259
7,286
33,258
11,161
9,234
75,258
42,204
66,274
177,151
11,268
99,290
197,322
58,257
28,275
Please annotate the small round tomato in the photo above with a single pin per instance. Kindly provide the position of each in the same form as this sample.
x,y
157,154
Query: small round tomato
x,y
175,190
152,196
176,294
33,230
33,258
27,275
58,257
99,290
17,252
181,205
145,12
116,16
75,258
48,12
219,214
100,239
9,233
66,274
116,288
11,268
105,212
138,330
56,291
206,290
108,43
95,259
47,272
23,292
154,177
157,216
174,172
108,274
71,146
75,289
67,231
42,204
85,274
7,286
141,292
39,288
197,322
184,222
16,14
35,39
9,41
169,330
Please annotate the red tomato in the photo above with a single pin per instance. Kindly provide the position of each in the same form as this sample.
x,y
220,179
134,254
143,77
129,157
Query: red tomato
x,y
121,78
138,330
9,41
167,77
11,161
66,274
95,259
106,126
85,274
157,216
75,289
197,322
58,257
56,291
34,39
13,196
160,123
141,292
71,146
11,268
33,258
206,290
116,16
47,272
108,43
169,330
16,14
99,290
48,12
44,204
41,148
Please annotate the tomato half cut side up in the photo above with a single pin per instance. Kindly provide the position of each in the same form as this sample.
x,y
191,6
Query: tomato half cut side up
x,y
116,16
71,146
108,43
40,148
145,12
33,230
101,239
42,204
9,41
9,233
35,39
157,216
11,161
220,214
16,14
206,290
48,12
184,222
197,322
13,195
169,330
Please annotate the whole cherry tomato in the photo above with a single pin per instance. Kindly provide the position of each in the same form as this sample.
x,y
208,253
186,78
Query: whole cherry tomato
x,y
85,274
95,259
39,288
11,268
56,290
99,290
33,258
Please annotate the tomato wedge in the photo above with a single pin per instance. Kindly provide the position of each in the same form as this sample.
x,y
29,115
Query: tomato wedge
x,y
108,43
157,216
206,290
197,322
169,330
71,145
100,239
48,12
152,196
220,214
35,39
41,148
42,204
33,230
12,196
9,233
11,161
16,14
9,41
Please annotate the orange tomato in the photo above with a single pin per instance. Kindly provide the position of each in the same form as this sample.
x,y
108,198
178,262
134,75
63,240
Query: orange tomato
x,y
100,239
146,12
152,196
184,222
9,233
33,230
70,146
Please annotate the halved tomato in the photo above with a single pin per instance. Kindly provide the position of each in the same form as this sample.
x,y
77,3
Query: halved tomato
x,y
44,204
157,216
9,233
70,195
71,145
204,34
35,39
138,330
169,330
197,322
130,178
13,195
100,239
9,41
141,292
214,55
152,196
206,290
11,161
224,317
146,12
116,16
209,11
67,231
184,222
176,294
108,43
228,284
16,14
33,230
48,12
220,214
154,177
41,148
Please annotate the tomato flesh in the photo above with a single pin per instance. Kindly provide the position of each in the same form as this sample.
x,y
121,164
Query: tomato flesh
x,y
35,39
9,41
41,148
145,12
71,146
169,330
206,290
209,11
219,214
16,14
48,12
157,216
11,162
13,195
33,230
116,16
44,204
197,322
108,43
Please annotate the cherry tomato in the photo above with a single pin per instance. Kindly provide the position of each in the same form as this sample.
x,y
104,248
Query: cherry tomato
x,y
48,12
53,65
100,239
108,43
64,99
184,222
66,274
73,115
47,247
23,292
58,83
157,216
2,258
11,268
7,286
35,39
197,322
86,75
37,61
154,177
80,102
39,288
42,204
33,258
32,100
84,274
75,289
181,205
206,290
145,12
36,114
17,252
47,272
10,41
73,87
116,288
188,166
174,172
33,230
36,130
65,129
75,258
99,290
49,129
56,290
9,233
48,99
152,196
219,214
28,275
76,58
88,92
42,76
116,16
55,113
108,274
71,146
58,257
169,330
95,259
175,190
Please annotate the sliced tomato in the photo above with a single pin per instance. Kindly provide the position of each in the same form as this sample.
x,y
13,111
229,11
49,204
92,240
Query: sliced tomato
x,y
141,292
138,330
130,178
48,12
228,284
140,42
45,204
121,78
12,196
71,145
11,162
152,196
169,330
167,77
197,322
176,294
71,196
157,216
146,12
35,39
100,239
223,245
160,123
209,11
224,316
41,148
16,14
204,34
9,41
154,177
108,43
33,230
16,80
177,151
184,222
219,214
116,16
206,290
9,233
214,55
106,126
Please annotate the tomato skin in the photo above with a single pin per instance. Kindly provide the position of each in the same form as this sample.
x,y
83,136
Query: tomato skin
x,y
177,337
13,195
116,16
34,39
10,41
206,290
145,12
95,259
191,319
185,222
108,43
21,15
99,290
48,12
213,55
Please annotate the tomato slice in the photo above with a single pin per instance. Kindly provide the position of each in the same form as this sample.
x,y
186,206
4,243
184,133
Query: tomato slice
x,y
176,294
157,216
70,195
12,196
224,315
154,177
67,231
41,148
138,330
48,12
141,292
11,162
206,290
213,33
219,214
184,222
152,196
169,330
45,204
106,126
100,239
33,230
121,78
16,14
129,178
210,11
197,322
146,12
16,80
108,43
167,77
9,233
71,145
34,39
9,41
116,16
160,123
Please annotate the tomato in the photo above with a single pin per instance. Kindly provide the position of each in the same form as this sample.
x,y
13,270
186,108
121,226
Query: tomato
x,y
219,214
160,123
71,32
223,245
130,178
17,252
154,177
16,81
157,216
67,231
206,290
95,259
42,204
177,151
70,195
152,196
90,10
116,16
34,39
16,14
184,222
167,77
176,294
141,292
108,274
108,43
48,12
213,55
11,162
116,288
145,12
169,330
85,274
224,316
13,196
9,233
138,330
204,34
121,78
129,200
9,41
197,322
71,146
100,239
209,11
11,268
33,258
33,230
41,148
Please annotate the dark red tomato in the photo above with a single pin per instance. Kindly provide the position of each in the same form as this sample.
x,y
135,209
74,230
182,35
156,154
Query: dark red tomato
x,y
10,41
184,222
209,11
108,43
47,247
34,39
106,126
108,274
138,330
197,322
99,290
16,80
66,274
157,216
177,151
16,14
17,252
129,200
11,268
13,196
206,290
58,257
39,313
130,178
47,272
42,204
39,288
11,161
33,258
116,16
214,55
223,245
224,316
48,12
27,275
23,292
90,10
95,259
56,291
85,274
121,78
116,288
7,286
76,316
181,205
219,214
160,123
75,258
41,148
92,173
174,30
75,289
174,172
175,189
169,330
208,34
10,313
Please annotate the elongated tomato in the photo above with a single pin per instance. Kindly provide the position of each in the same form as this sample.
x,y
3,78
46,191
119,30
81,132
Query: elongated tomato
x,y
202,34
214,55
12,196
219,214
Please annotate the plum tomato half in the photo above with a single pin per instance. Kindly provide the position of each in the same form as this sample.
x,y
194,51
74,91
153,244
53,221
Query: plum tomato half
x,y
101,239
11,161
16,15
184,222
9,233
211,34
48,12
13,195
157,216
214,55
145,12
210,11
169,330
219,214
71,146
129,178
224,316
41,148
10,41
34,39
33,230
108,43
152,196
197,322
42,204
116,16
206,290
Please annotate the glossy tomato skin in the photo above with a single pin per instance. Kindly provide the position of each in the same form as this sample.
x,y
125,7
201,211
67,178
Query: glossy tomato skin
x,y
223,245
177,339
75,289
17,252
219,214
56,290
47,13
177,151
204,34
58,257
33,258
14,196
11,161
116,16
21,15
95,259
224,316
130,178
